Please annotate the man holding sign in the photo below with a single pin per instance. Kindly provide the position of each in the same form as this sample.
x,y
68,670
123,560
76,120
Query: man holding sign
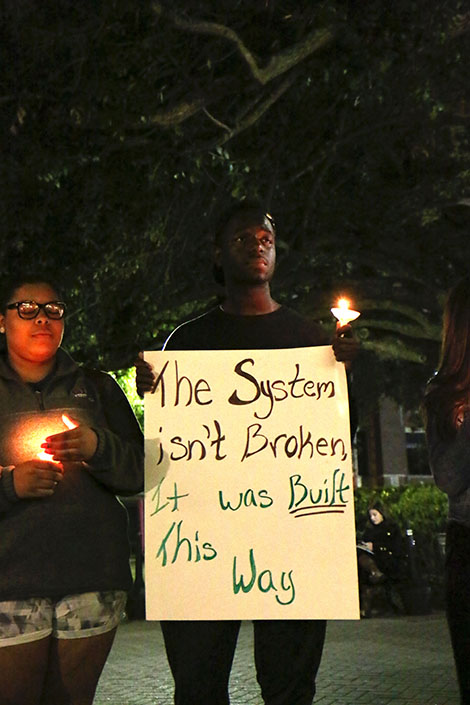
x,y
287,651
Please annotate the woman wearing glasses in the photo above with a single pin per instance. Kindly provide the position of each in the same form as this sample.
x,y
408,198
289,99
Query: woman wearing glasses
x,y
69,442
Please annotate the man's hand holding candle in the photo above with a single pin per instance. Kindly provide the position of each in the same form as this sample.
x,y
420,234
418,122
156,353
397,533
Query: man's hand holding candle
x,y
345,345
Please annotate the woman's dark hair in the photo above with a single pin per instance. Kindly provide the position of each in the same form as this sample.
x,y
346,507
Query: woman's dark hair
x,y
14,281
448,391
227,215
379,507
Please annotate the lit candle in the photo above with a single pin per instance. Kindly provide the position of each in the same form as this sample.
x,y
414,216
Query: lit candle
x,y
343,313
67,421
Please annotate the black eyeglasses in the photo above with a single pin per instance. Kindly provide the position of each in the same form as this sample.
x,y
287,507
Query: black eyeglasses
x,y
30,309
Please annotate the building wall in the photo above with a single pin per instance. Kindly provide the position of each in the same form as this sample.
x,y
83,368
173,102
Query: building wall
x,y
393,442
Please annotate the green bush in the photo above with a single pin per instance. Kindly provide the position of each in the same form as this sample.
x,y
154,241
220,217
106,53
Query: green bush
x,y
422,508
126,380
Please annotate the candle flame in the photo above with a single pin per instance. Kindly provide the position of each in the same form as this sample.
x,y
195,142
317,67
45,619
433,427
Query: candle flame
x,y
343,313
67,421
45,456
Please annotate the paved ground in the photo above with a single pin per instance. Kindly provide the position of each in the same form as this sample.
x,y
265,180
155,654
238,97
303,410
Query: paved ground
x,y
378,661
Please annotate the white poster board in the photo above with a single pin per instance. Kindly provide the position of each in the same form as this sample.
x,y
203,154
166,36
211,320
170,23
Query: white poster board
x,y
249,506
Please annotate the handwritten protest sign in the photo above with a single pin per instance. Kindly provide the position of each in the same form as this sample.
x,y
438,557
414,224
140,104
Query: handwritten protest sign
x,y
249,509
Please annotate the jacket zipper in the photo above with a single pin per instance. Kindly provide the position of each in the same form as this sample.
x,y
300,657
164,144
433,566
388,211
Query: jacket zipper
x,y
40,399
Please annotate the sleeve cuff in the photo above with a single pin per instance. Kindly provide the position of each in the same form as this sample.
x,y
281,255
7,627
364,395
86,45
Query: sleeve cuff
x,y
97,456
6,480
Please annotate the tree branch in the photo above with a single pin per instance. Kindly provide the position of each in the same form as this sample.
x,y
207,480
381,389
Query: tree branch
x,y
277,65
174,116
255,114
215,121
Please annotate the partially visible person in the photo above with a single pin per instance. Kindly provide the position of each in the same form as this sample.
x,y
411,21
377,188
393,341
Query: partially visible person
x,y
287,652
447,411
64,553
381,556
383,536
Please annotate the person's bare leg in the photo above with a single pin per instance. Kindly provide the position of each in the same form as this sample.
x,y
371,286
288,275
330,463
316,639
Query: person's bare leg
x,y
22,672
75,667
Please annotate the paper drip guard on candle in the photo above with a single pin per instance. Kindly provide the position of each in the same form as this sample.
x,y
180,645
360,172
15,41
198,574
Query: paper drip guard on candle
x,y
343,313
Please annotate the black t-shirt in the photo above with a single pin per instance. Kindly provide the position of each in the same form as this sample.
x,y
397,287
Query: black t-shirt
x,y
283,328
218,330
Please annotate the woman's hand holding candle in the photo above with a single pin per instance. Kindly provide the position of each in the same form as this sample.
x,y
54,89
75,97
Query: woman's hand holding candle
x,y
77,445
36,478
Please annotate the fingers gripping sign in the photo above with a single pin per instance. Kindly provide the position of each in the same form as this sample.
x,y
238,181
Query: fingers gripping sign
x,y
144,376
76,445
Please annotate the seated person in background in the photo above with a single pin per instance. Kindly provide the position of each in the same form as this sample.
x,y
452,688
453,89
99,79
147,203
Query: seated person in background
x,y
381,554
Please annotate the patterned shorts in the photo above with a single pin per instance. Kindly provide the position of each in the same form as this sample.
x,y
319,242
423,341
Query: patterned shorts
x,y
71,617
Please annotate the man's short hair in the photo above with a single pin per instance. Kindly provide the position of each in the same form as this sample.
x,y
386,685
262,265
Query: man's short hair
x,y
235,209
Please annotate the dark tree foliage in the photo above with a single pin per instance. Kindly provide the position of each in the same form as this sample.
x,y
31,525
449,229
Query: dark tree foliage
x,y
126,127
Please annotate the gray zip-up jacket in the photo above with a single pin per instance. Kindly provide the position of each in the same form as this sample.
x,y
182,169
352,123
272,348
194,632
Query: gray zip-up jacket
x,y
75,540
